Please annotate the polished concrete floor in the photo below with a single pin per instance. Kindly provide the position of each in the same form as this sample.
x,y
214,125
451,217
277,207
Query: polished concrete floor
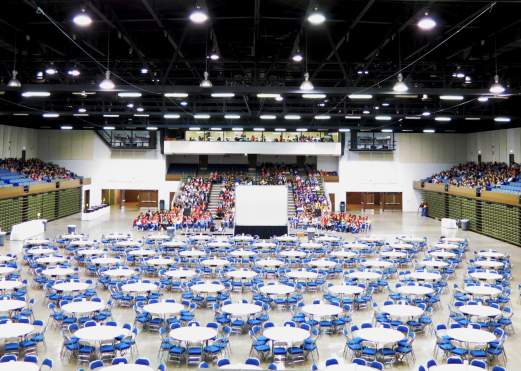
x,y
388,224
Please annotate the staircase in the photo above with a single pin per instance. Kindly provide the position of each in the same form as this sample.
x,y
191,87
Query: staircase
x,y
291,203
214,198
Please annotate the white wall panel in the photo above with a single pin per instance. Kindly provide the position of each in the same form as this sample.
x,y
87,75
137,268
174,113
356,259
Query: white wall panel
x,y
14,139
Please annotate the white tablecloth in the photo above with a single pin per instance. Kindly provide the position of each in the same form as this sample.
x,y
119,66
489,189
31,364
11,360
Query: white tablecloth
x,y
470,335
241,274
128,367
402,310
380,335
482,291
321,310
81,307
286,334
479,310
100,333
19,366
209,288
139,287
346,290
163,308
193,334
13,330
277,289
241,309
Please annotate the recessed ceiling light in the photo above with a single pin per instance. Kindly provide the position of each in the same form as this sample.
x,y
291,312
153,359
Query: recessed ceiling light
x,y
140,109
322,117
83,93
144,71
280,129
316,18
344,130
443,118
110,115
51,115
194,128
74,72
130,105
152,128
426,113
297,57
406,131
82,110
82,19
176,95
223,95
198,15
267,117
51,71
383,118
279,98
171,116
214,56
502,119
258,129
292,117
109,128
183,103
36,94
201,116
66,127
313,96
129,94
426,23
232,117
452,97
385,104
366,112
429,131
301,129
268,95
352,117
360,96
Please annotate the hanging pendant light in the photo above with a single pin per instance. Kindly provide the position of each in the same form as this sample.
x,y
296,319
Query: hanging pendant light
x,y
306,84
14,82
400,86
107,83
496,88
205,82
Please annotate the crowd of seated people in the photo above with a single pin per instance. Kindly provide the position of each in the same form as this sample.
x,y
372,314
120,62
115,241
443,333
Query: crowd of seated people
x,y
244,137
486,175
36,170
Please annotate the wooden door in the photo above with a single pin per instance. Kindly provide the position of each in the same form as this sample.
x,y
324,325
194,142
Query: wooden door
x,y
332,199
86,198
148,199
354,201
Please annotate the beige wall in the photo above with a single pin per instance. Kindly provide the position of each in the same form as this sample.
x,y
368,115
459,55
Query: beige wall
x,y
66,145
494,145
14,139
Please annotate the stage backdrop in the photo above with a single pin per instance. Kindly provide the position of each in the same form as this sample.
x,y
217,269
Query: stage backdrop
x,y
261,210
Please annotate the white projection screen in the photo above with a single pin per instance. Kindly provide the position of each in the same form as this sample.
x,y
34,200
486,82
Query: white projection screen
x,y
260,205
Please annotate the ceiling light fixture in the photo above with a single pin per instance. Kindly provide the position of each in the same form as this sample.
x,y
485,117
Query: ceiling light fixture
x,y
279,98
344,130
387,130
360,96
143,70
429,131
322,117
51,115
171,116
267,117
205,82
74,72
80,114
301,129
130,105
352,117
175,95
66,127
82,110
426,113
258,129
216,129
280,129
129,94
383,118
198,15
313,96
152,128
452,97
502,119
194,128
268,95
214,56
237,129
82,19
442,118
472,119
483,99
400,86
496,88
297,57
36,94
306,84
140,109
232,116
107,83
201,116
292,117
109,128
51,71
223,95
412,117
426,23
141,115
316,18
110,115
14,82
183,103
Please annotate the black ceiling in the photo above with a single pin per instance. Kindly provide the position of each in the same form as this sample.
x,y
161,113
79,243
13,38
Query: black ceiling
x,y
255,40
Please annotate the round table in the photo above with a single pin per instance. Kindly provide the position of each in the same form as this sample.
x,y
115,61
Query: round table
x,y
58,272
218,245
311,245
491,254
128,367
5,271
345,290
8,305
486,276
401,246
6,258
241,274
142,252
139,287
264,245
277,289
414,290
192,253
36,242
173,244
425,276
322,263
241,309
119,272
446,246
453,239
328,239
286,334
163,308
101,333
159,262
489,264
38,251
321,310
365,275
207,288
373,263
19,366
70,286
355,246
91,252
470,335
269,263
302,275
343,254
49,260
200,237
82,243
412,239
242,238
240,366
243,253
442,254
371,239
433,264
287,238
215,262
125,244
293,254
193,334
14,330
482,291
105,261
158,237
116,236
181,273
455,367
402,310
6,285
479,310
82,307
392,254
380,335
